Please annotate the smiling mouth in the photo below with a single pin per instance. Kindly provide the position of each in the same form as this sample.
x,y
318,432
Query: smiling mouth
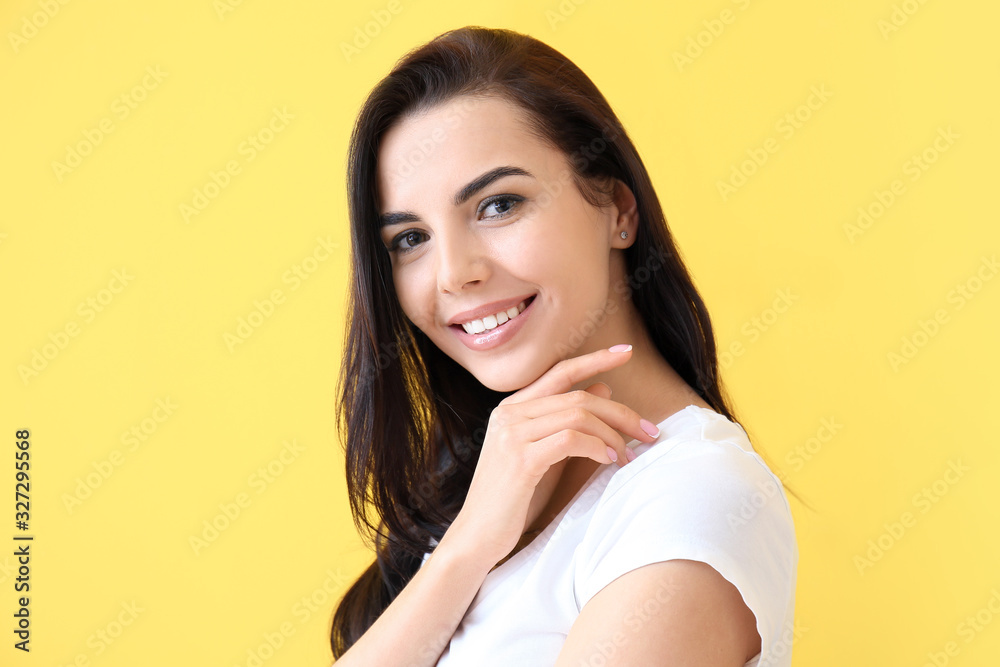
x,y
495,321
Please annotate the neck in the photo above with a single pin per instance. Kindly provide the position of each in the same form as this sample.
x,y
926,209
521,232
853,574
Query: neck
x,y
646,382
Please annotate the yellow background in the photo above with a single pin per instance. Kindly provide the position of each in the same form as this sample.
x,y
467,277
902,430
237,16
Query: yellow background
x,y
890,89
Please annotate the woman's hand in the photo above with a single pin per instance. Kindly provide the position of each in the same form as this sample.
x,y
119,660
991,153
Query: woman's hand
x,y
528,432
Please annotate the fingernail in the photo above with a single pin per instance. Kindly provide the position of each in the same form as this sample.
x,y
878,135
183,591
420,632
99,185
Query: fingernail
x,y
613,454
629,454
620,348
608,386
649,427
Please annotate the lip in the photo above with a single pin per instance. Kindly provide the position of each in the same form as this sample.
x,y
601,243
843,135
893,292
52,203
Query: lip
x,y
497,336
488,309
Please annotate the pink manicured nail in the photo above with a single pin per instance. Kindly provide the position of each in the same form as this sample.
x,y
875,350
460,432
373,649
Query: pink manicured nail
x,y
649,427
629,454
620,348
613,454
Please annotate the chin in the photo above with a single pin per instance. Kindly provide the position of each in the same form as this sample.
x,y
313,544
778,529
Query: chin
x,y
501,379
499,382
505,386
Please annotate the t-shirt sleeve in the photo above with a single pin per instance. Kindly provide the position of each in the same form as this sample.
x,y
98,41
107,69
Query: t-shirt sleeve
x,y
698,500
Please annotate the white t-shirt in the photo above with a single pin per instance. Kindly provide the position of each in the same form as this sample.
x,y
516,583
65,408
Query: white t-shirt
x,y
699,492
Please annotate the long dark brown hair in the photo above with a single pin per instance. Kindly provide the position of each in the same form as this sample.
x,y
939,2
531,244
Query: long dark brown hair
x,y
412,419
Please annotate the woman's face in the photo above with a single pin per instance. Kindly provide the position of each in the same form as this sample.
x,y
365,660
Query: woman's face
x,y
481,219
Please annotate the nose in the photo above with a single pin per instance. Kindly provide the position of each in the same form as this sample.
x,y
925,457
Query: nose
x,y
461,261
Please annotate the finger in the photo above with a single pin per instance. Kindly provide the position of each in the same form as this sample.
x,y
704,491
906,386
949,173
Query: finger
x,y
576,419
616,415
601,389
568,372
554,448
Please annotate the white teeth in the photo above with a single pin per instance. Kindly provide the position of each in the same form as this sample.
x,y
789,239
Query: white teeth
x,y
493,321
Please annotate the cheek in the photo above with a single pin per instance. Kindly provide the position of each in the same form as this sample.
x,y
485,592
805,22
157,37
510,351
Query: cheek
x,y
571,254
414,299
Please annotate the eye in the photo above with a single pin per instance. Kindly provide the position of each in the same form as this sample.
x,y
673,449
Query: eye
x,y
503,204
410,237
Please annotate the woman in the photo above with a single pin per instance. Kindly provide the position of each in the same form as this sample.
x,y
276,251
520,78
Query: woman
x,y
512,269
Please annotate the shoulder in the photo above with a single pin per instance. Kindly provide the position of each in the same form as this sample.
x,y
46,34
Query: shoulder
x,y
704,512
664,613
709,489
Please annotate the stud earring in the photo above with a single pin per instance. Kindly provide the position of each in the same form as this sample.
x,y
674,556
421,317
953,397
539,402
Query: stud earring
x,y
624,234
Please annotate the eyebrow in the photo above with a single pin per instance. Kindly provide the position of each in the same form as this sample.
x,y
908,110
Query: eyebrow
x,y
462,196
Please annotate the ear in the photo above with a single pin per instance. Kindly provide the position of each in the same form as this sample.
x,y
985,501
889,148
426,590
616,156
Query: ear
x,y
627,216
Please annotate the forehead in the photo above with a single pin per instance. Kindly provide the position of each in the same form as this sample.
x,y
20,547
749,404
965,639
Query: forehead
x,y
443,147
